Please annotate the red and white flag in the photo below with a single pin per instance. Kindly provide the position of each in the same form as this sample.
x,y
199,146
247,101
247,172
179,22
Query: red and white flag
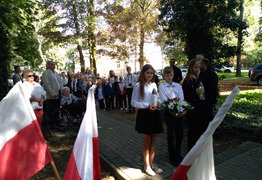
x,y
199,162
84,162
23,151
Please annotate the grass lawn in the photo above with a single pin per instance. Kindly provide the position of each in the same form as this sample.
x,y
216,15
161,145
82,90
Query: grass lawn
x,y
232,76
244,117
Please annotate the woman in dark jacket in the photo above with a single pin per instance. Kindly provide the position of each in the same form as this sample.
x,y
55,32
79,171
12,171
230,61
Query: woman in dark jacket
x,y
191,94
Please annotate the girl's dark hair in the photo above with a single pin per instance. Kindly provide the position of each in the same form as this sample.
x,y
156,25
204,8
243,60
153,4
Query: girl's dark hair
x,y
141,78
189,75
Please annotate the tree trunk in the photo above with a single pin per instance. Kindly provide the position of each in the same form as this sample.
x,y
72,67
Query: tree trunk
x,y
239,42
92,36
79,47
82,62
4,56
141,47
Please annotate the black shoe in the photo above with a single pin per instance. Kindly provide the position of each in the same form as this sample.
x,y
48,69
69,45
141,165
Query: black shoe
x,y
179,158
174,162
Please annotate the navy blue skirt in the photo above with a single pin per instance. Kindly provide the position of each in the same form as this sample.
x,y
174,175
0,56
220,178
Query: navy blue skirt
x,y
148,122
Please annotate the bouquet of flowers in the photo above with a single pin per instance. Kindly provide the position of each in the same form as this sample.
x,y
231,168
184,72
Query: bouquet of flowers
x,y
177,107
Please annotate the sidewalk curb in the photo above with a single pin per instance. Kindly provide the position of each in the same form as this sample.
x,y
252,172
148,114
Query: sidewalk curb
x,y
112,168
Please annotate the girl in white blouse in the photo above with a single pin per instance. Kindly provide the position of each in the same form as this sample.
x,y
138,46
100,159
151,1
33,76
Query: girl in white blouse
x,y
148,119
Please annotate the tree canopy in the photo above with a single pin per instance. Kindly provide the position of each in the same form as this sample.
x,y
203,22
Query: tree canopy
x,y
202,25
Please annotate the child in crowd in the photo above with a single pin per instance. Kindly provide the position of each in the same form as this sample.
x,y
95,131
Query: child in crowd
x,y
148,119
110,94
116,92
100,95
171,90
121,89
87,86
104,83
73,85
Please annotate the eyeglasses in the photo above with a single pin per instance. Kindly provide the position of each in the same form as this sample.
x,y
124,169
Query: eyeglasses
x,y
30,75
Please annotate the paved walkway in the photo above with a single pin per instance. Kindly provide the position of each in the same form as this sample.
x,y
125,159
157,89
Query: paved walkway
x,y
121,149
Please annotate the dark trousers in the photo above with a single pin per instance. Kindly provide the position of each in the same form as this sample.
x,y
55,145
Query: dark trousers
x,y
122,100
195,124
106,102
52,105
174,133
207,116
101,104
117,100
110,103
76,108
129,92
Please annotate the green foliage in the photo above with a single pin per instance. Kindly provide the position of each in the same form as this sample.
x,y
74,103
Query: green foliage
x,y
173,49
4,56
253,57
202,25
21,33
131,25
16,40
245,115
222,77
232,76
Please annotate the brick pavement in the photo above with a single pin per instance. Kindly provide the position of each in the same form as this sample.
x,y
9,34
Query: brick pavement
x,y
121,148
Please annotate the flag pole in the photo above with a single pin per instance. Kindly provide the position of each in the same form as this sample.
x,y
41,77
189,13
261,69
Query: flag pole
x,y
55,170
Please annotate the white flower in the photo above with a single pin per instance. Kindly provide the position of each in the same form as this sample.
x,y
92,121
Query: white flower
x,y
180,109
183,103
171,106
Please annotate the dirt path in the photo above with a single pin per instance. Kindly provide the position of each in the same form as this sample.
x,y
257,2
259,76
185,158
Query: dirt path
x,y
228,85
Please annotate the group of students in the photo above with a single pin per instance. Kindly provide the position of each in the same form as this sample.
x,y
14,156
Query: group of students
x,y
116,92
148,120
111,93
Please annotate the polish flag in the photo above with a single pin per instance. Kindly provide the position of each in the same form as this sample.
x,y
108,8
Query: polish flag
x,y
84,162
23,151
199,162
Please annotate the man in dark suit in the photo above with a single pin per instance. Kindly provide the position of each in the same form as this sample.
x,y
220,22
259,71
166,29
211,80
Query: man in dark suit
x,y
177,72
210,81
17,77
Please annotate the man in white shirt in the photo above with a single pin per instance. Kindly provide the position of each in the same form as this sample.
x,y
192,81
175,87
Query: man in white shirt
x,y
64,79
130,81
52,85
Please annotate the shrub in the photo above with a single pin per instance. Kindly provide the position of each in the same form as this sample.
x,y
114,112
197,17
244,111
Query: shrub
x,y
245,116
222,77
